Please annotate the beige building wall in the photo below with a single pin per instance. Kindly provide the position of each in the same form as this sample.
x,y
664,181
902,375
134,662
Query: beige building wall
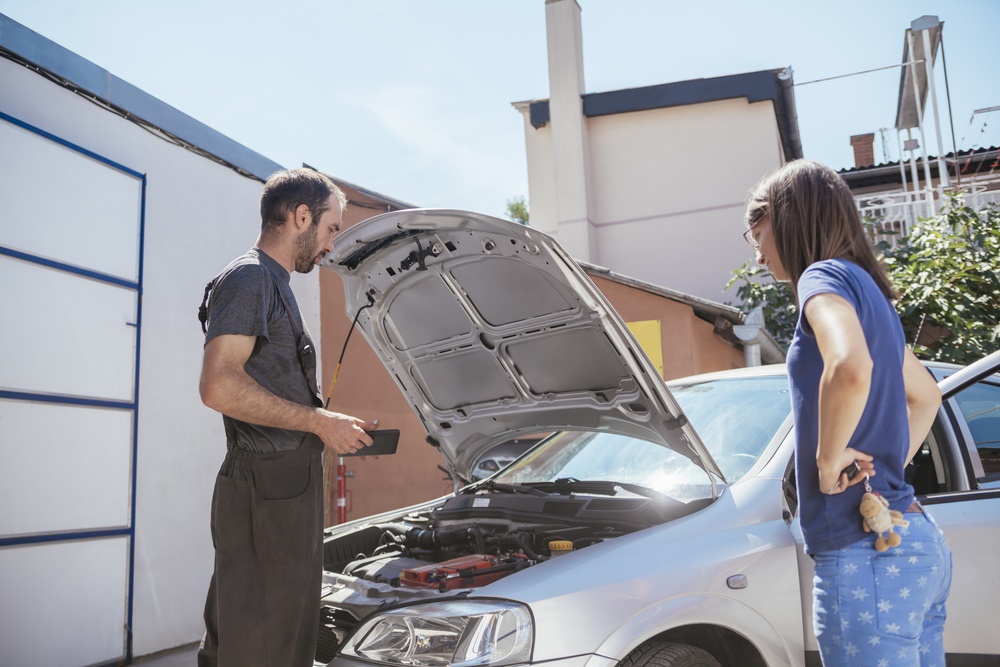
x,y
668,188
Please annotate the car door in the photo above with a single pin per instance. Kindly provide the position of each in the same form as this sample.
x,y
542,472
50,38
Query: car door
x,y
967,509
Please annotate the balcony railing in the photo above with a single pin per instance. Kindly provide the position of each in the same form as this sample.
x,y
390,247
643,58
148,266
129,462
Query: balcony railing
x,y
893,214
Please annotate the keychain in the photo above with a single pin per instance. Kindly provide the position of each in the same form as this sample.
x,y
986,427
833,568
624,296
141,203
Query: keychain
x,y
878,518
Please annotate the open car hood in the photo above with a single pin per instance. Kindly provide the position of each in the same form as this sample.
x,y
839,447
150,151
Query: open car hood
x,y
492,331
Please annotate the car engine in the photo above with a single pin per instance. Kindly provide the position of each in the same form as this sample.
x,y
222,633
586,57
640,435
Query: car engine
x,y
467,542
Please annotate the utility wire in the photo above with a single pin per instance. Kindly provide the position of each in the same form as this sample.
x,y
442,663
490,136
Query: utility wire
x,y
867,71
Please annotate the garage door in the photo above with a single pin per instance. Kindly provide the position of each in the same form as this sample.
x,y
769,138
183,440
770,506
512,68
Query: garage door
x,y
70,287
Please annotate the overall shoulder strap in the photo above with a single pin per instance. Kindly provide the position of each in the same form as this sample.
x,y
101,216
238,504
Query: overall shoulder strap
x,y
203,308
296,327
298,333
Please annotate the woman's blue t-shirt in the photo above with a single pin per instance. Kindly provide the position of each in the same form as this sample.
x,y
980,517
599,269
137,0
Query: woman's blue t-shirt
x,y
833,522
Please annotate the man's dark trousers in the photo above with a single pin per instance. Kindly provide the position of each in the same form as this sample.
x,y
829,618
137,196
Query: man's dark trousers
x,y
267,523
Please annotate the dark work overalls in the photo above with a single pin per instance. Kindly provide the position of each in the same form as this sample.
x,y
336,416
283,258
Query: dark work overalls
x,y
267,524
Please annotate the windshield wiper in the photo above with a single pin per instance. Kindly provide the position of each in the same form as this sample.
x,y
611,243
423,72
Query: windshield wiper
x,y
644,491
568,485
490,485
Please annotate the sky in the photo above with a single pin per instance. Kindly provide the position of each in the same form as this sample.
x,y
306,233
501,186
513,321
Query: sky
x,y
412,98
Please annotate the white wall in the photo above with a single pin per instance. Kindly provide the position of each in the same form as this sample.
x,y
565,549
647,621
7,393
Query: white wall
x,y
668,188
198,216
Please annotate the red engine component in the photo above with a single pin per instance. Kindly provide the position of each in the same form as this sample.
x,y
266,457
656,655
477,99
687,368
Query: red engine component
x,y
464,572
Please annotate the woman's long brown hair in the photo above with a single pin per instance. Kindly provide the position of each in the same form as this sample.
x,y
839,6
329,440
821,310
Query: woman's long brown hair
x,y
814,217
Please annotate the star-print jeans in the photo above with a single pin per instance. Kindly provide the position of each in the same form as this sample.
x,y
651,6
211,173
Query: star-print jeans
x,y
884,609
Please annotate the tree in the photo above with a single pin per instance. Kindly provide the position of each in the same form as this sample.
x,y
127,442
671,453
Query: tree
x,y
517,210
947,271
775,298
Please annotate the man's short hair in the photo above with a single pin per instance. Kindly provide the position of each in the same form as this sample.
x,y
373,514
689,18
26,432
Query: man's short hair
x,y
285,190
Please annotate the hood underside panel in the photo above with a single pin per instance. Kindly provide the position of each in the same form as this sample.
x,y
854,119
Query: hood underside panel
x,y
492,331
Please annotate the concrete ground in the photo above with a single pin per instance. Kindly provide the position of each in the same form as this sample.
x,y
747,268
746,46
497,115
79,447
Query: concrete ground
x,y
182,656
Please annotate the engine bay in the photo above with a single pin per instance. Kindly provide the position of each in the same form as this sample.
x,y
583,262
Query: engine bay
x,y
464,543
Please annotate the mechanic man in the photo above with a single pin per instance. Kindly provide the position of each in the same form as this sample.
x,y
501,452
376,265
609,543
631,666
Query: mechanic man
x,y
259,371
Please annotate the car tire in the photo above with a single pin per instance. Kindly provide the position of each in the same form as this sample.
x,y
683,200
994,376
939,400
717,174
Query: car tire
x,y
663,654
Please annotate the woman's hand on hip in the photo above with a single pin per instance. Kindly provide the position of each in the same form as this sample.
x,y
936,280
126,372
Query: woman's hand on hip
x,y
834,479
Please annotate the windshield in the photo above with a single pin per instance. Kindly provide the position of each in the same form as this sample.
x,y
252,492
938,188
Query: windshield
x,y
735,418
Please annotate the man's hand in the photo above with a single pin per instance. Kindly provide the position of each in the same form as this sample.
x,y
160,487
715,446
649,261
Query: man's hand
x,y
343,434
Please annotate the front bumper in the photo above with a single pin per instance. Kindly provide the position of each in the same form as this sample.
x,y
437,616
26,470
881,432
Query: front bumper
x,y
589,660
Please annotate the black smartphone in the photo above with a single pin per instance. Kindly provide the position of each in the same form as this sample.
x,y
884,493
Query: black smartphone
x,y
384,442
851,471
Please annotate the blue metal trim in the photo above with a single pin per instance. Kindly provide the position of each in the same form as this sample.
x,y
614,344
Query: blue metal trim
x,y
133,406
135,426
67,400
69,144
69,268
66,537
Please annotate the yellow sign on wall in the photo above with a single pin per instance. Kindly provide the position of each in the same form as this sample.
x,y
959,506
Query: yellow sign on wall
x,y
647,332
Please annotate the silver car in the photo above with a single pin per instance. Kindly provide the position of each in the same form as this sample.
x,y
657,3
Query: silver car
x,y
657,525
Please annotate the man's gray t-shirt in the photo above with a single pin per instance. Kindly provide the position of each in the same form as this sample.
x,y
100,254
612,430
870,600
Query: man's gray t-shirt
x,y
245,301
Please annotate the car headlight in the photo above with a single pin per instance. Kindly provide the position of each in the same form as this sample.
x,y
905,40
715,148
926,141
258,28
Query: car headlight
x,y
462,633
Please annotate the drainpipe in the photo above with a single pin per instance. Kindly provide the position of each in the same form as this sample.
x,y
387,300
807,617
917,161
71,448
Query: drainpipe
x,y
749,334
785,77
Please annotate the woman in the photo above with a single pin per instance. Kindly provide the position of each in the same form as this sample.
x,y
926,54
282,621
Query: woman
x,y
858,396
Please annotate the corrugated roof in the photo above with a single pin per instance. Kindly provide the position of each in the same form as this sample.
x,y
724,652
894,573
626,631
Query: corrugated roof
x,y
969,162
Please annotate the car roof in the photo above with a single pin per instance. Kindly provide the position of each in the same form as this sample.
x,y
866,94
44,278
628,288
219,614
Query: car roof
x,y
781,369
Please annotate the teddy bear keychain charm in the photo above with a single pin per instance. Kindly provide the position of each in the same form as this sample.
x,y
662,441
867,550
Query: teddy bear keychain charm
x,y
878,518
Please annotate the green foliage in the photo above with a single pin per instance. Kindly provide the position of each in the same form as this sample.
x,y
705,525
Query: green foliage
x,y
947,272
517,210
775,298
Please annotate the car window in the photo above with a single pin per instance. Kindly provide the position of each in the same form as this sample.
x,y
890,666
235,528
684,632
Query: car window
x,y
980,405
736,418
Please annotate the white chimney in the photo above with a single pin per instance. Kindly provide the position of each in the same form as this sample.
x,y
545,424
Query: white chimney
x,y
569,129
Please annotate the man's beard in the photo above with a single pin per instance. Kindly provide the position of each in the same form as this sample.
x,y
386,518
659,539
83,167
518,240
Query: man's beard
x,y
306,253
